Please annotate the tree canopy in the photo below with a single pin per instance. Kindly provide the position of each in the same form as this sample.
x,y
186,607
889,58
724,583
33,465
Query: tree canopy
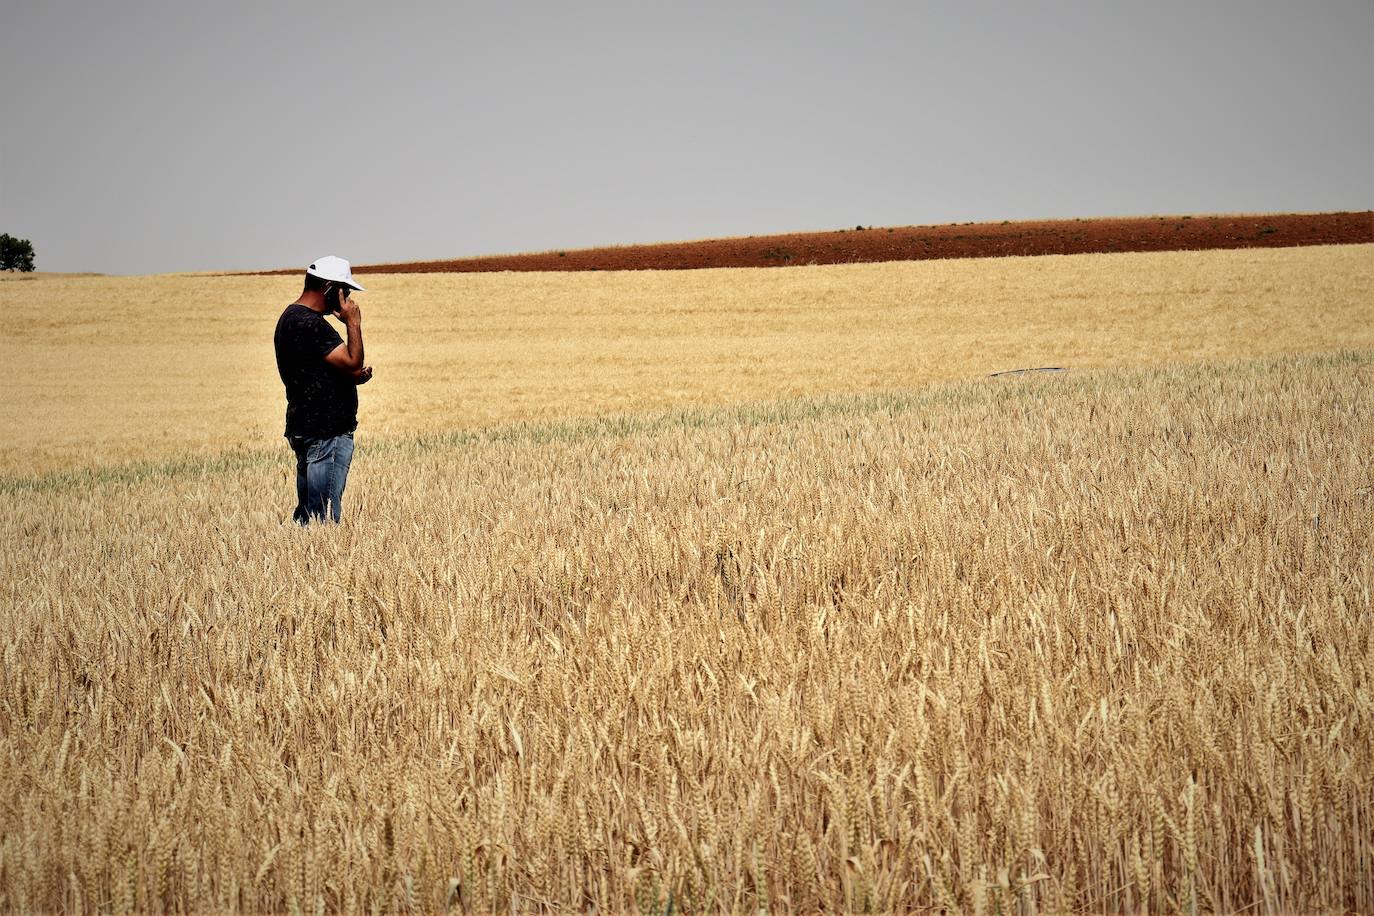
x,y
15,254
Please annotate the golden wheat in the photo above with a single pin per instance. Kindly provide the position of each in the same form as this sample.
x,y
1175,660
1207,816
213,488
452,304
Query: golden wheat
x,y
1094,641
117,369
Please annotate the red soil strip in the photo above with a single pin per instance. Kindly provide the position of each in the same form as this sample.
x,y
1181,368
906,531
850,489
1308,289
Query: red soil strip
x,y
920,243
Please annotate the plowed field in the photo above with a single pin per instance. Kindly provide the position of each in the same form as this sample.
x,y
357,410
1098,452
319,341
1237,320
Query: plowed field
x,y
861,245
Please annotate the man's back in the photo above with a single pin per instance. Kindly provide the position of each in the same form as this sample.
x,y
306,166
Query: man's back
x,y
321,401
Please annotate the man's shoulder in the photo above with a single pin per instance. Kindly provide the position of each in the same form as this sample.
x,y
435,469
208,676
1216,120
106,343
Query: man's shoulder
x,y
295,310
296,315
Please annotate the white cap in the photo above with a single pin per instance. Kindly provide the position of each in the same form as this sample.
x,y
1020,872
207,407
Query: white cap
x,y
334,269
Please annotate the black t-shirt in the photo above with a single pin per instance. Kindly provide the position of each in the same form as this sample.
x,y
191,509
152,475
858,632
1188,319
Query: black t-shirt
x,y
321,401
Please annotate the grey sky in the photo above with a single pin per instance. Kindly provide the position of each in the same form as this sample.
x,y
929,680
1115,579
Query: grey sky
x,y
156,136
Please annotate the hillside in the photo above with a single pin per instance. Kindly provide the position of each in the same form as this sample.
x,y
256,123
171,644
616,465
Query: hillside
x,y
866,244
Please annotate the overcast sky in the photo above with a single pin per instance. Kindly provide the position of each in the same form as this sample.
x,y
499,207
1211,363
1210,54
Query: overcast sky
x,y
142,137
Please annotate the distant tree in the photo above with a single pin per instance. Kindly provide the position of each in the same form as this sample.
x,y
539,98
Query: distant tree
x,y
15,254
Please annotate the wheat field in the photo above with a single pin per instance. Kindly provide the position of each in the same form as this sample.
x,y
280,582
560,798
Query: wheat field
x,y
1097,641
773,633
105,370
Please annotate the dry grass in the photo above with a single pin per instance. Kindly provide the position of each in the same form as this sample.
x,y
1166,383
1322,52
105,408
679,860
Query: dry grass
x,y
1099,641
108,370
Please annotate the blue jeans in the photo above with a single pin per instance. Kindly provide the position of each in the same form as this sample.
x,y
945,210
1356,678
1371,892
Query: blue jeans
x,y
321,472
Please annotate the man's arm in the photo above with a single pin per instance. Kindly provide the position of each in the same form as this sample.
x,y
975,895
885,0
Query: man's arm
x,y
348,357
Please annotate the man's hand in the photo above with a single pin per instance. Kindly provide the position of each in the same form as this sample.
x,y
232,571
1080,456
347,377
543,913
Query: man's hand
x,y
349,313
348,357
362,376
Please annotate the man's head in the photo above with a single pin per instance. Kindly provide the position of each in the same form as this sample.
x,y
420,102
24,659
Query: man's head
x,y
326,275
330,269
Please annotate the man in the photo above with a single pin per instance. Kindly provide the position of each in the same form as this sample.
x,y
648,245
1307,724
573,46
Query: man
x,y
321,374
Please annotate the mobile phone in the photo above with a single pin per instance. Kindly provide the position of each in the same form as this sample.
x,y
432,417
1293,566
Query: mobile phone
x,y
334,297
